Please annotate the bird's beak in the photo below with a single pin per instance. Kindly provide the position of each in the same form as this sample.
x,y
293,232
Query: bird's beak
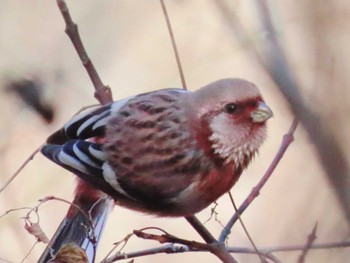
x,y
262,113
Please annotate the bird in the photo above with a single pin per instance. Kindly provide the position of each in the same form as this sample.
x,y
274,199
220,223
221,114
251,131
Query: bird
x,y
169,152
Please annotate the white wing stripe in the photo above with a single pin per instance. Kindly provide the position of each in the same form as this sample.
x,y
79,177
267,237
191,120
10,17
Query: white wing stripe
x,y
111,179
116,106
78,117
83,157
72,162
101,122
89,121
97,154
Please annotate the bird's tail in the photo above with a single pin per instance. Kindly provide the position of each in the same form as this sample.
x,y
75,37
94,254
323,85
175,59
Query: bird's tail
x,y
83,224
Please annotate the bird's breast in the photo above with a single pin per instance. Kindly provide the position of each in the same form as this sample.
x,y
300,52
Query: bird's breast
x,y
207,189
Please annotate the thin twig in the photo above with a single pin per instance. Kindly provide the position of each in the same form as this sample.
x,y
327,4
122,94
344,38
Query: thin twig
x,y
102,93
217,249
49,198
90,226
286,141
245,229
124,242
14,210
215,215
334,245
168,249
167,238
266,251
310,240
29,252
20,169
272,257
173,43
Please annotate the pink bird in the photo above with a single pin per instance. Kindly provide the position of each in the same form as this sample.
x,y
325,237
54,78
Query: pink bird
x,y
169,152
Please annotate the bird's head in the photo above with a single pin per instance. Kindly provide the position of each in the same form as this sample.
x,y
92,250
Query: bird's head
x,y
232,115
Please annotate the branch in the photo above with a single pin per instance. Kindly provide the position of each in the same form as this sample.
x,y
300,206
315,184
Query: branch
x,y
286,141
168,249
220,249
310,240
192,246
334,245
201,229
24,164
167,238
217,249
102,93
173,43
245,229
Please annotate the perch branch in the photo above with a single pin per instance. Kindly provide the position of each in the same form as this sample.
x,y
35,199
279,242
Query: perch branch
x,y
310,240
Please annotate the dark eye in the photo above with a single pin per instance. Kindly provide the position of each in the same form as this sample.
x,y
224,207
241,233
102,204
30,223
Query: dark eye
x,y
231,108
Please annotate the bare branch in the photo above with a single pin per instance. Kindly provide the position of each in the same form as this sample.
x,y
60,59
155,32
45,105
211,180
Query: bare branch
x,y
310,240
201,229
168,249
167,238
265,251
217,249
123,243
14,210
20,169
214,214
245,229
173,43
30,251
333,245
102,93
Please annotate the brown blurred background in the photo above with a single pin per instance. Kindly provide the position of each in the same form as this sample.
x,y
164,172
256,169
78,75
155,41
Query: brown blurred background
x,y
129,44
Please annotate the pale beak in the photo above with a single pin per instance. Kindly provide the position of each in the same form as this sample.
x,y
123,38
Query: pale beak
x,y
262,113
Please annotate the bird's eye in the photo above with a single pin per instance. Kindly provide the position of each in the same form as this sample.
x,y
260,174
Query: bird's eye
x,y
231,108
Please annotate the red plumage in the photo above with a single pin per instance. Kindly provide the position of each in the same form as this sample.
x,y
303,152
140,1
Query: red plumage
x,y
168,152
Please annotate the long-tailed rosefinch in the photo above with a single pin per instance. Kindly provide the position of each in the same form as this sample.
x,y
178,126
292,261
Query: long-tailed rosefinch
x,y
169,152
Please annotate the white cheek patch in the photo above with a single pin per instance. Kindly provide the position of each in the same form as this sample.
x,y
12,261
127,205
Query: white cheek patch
x,y
235,142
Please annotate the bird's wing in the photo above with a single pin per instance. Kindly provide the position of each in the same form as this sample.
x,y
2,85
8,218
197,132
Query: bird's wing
x,y
85,159
70,148
87,124
150,147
